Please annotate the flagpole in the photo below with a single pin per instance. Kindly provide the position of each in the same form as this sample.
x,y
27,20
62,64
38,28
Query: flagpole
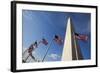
x,y
29,55
33,57
47,51
27,58
75,47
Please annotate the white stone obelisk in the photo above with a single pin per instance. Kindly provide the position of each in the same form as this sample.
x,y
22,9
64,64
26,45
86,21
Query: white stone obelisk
x,y
67,50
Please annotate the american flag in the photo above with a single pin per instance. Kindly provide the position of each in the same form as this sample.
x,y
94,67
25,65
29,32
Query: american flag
x,y
44,41
58,39
81,37
32,47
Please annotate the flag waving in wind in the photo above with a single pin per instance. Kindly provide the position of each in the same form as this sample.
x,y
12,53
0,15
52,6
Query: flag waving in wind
x,y
44,41
58,39
32,47
81,37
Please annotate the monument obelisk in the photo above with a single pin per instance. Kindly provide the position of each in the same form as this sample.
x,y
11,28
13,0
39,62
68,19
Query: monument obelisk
x,y
71,49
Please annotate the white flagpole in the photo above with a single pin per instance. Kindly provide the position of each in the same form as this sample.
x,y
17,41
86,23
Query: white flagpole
x,y
47,51
26,58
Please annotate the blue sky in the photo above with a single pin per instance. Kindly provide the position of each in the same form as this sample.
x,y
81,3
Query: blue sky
x,y
45,24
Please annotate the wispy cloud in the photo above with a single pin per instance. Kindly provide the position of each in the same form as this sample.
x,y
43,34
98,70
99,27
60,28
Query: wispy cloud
x,y
54,56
